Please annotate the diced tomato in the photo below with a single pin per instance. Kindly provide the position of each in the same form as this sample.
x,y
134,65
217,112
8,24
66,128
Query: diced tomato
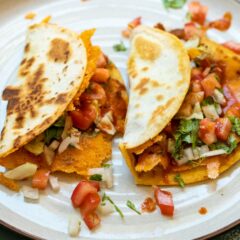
x,y
191,31
94,92
81,191
135,22
84,116
222,24
209,84
92,220
90,203
207,131
234,110
235,47
95,184
198,12
164,201
223,128
40,178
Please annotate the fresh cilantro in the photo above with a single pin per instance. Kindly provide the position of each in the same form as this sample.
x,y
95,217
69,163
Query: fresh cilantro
x,y
107,198
132,206
96,177
52,133
120,47
175,4
106,165
229,147
60,122
186,132
179,180
207,101
235,124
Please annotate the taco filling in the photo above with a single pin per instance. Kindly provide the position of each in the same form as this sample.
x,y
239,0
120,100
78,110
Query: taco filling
x,y
200,141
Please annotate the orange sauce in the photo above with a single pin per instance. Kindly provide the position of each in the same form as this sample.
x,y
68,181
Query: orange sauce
x,y
202,211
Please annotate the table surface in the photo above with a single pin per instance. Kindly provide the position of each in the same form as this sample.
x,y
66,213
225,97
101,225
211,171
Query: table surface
x,y
232,234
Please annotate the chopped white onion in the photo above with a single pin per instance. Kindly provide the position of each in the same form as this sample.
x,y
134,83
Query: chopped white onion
x,y
106,173
182,161
219,97
74,224
192,43
197,112
23,171
218,109
108,177
54,184
213,153
48,155
54,145
203,149
73,140
210,112
105,208
105,123
30,193
67,127
188,153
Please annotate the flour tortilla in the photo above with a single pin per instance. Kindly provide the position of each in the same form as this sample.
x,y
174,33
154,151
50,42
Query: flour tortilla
x,y
159,74
49,76
194,173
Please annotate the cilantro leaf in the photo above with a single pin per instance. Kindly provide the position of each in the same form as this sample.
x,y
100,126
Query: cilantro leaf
x,y
107,198
179,180
207,101
52,133
186,132
175,4
232,144
60,122
120,47
106,165
96,177
132,206
235,124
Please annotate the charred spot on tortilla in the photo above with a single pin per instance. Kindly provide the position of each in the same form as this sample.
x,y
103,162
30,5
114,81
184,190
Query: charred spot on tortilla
x,y
145,68
25,66
27,48
60,50
147,49
155,83
159,97
10,92
61,98
141,84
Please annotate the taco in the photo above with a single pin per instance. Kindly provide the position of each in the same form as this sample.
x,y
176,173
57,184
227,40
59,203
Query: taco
x,y
66,105
195,134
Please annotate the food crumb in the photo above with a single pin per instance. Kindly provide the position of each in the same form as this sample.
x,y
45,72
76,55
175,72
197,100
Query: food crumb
x,y
149,205
30,15
47,19
202,211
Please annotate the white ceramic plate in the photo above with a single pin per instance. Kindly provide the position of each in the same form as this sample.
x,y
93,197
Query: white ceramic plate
x,y
49,218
